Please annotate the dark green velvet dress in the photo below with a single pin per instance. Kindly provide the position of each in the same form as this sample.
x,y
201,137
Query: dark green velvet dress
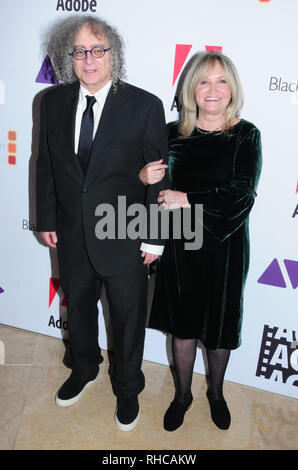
x,y
199,293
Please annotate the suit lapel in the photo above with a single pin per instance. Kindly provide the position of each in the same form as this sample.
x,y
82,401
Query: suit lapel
x,y
68,120
106,125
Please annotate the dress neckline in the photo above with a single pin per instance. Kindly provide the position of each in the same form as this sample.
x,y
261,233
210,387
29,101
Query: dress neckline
x,y
205,132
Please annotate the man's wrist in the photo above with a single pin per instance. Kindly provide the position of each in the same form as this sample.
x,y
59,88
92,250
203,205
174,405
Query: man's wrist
x,y
153,249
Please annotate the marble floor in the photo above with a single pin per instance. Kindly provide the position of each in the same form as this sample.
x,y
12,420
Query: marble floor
x,y
30,420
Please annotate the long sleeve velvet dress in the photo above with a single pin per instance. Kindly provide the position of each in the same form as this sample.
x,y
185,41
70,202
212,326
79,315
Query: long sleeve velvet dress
x,y
199,293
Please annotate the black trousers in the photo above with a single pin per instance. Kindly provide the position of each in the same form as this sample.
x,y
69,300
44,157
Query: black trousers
x,y
127,299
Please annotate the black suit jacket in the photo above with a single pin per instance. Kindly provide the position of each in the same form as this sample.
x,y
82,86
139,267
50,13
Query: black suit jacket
x,y
131,133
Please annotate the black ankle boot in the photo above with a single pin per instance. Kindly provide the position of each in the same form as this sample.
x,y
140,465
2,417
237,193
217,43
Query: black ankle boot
x,y
175,414
219,412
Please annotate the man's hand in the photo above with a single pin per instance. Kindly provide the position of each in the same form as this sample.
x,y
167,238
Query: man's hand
x,y
148,257
50,238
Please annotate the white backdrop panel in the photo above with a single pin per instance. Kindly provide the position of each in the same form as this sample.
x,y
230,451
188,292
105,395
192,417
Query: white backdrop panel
x,y
260,38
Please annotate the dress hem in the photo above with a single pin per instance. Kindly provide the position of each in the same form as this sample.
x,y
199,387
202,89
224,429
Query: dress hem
x,y
204,343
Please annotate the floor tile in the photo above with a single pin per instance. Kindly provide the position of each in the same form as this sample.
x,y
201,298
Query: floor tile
x,y
51,351
30,419
90,424
14,381
19,345
155,399
276,418
46,426
198,431
242,433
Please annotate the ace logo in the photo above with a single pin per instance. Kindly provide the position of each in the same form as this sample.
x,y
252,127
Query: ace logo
x,y
278,359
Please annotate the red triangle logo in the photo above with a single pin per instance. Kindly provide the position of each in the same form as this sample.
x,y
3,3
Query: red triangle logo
x,y
54,286
213,48
181,53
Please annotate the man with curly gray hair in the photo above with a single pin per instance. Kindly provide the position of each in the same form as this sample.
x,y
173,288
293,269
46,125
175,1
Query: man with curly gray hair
x,y
59,41
97,131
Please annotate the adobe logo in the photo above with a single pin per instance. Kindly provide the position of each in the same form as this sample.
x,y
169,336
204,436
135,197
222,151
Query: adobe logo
x,y
54,286
273,275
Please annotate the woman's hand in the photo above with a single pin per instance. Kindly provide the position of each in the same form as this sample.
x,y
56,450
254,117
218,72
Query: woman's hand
x,y
173,199
153,172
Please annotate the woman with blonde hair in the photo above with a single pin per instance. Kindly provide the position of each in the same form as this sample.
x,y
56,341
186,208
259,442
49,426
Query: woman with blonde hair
x,y
214,160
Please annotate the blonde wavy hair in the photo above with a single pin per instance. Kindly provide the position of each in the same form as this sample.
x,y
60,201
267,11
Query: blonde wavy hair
x,y
199,68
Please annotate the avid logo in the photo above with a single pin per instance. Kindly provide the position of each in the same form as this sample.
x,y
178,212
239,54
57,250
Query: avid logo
x,y
278,358
273,276
53,290
181,53
46,73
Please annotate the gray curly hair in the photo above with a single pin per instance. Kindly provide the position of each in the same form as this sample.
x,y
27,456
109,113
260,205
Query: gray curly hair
x,y
58,43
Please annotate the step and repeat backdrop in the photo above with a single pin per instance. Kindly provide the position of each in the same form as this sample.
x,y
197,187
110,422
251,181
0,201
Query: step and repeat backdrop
x,y
161,37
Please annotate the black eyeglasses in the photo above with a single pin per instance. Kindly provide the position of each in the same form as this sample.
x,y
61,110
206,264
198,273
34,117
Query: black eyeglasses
x,y
97,52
